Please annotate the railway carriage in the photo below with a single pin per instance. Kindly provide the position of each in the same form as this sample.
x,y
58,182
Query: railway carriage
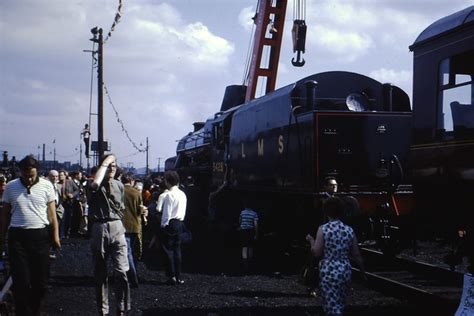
x,y
442,151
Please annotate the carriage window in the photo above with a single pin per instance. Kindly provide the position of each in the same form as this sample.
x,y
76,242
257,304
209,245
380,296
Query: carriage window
x,y
460,78
456,92
451,97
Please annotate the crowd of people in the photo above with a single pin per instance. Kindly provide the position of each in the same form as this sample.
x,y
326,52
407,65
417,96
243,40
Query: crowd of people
x,y
110,208
116,212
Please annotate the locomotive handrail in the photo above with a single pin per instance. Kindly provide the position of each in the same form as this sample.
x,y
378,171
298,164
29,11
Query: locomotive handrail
x,y
400,169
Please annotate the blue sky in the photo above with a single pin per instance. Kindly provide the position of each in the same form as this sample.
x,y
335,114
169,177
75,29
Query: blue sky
x,y
167,63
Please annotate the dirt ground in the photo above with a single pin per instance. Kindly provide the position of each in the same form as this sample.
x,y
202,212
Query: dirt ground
x,y
204,293
209,289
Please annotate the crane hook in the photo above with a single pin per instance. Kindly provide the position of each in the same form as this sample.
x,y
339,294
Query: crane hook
x,y
299,62
299,39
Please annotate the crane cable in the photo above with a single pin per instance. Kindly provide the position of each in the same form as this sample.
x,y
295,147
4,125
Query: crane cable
x,y
299,10
248,59
298,32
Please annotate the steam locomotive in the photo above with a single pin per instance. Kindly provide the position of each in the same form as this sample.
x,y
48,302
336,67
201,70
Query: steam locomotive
x,y
277,149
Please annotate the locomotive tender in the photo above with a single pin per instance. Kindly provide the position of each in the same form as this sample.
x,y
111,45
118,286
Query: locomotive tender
x,y
281,146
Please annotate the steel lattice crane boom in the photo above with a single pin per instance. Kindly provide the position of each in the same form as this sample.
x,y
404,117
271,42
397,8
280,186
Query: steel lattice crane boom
x,y
269,20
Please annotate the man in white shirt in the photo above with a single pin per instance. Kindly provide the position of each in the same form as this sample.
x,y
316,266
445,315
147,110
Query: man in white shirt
x,y
86,134
53,176
174,211
29,209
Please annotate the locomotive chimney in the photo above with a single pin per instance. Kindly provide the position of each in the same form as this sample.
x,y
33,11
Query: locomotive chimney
x,y
233,96
310,93
198,126
5,159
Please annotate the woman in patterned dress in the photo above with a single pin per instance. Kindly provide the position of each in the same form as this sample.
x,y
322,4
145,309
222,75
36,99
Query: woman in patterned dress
x,y
335,242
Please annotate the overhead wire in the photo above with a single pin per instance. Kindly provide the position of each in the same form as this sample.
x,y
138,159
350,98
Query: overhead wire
x,y
117,17
130,155
119,120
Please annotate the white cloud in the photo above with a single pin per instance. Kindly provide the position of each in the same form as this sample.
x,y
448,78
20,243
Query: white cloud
x,y
346,14
175,112
346,45
36,84
245,18
204,46
396,77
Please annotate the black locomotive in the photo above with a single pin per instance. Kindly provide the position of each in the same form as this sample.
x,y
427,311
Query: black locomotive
x,y
278,148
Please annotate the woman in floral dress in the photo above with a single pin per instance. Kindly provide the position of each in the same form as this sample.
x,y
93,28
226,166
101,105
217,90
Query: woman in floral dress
x,y
335,242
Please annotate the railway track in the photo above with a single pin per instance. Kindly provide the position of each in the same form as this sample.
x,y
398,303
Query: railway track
x,y
426,285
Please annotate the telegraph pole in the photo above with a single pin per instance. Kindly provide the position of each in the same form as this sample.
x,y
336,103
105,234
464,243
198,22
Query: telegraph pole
x,y
100,101
100,86
147,169
80,154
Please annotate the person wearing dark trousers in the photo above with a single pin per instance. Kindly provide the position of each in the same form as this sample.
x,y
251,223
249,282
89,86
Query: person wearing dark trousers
x,y
86,134
72,191
132,221
172,225
29,212
248,225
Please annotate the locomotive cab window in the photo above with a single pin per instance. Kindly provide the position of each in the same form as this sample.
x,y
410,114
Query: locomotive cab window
x,y
219,136
457,94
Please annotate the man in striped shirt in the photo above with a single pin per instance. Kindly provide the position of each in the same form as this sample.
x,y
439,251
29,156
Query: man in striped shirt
x,y
29,210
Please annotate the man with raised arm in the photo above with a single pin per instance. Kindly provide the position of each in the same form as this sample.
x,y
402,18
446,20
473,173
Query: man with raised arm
x,y
106,209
